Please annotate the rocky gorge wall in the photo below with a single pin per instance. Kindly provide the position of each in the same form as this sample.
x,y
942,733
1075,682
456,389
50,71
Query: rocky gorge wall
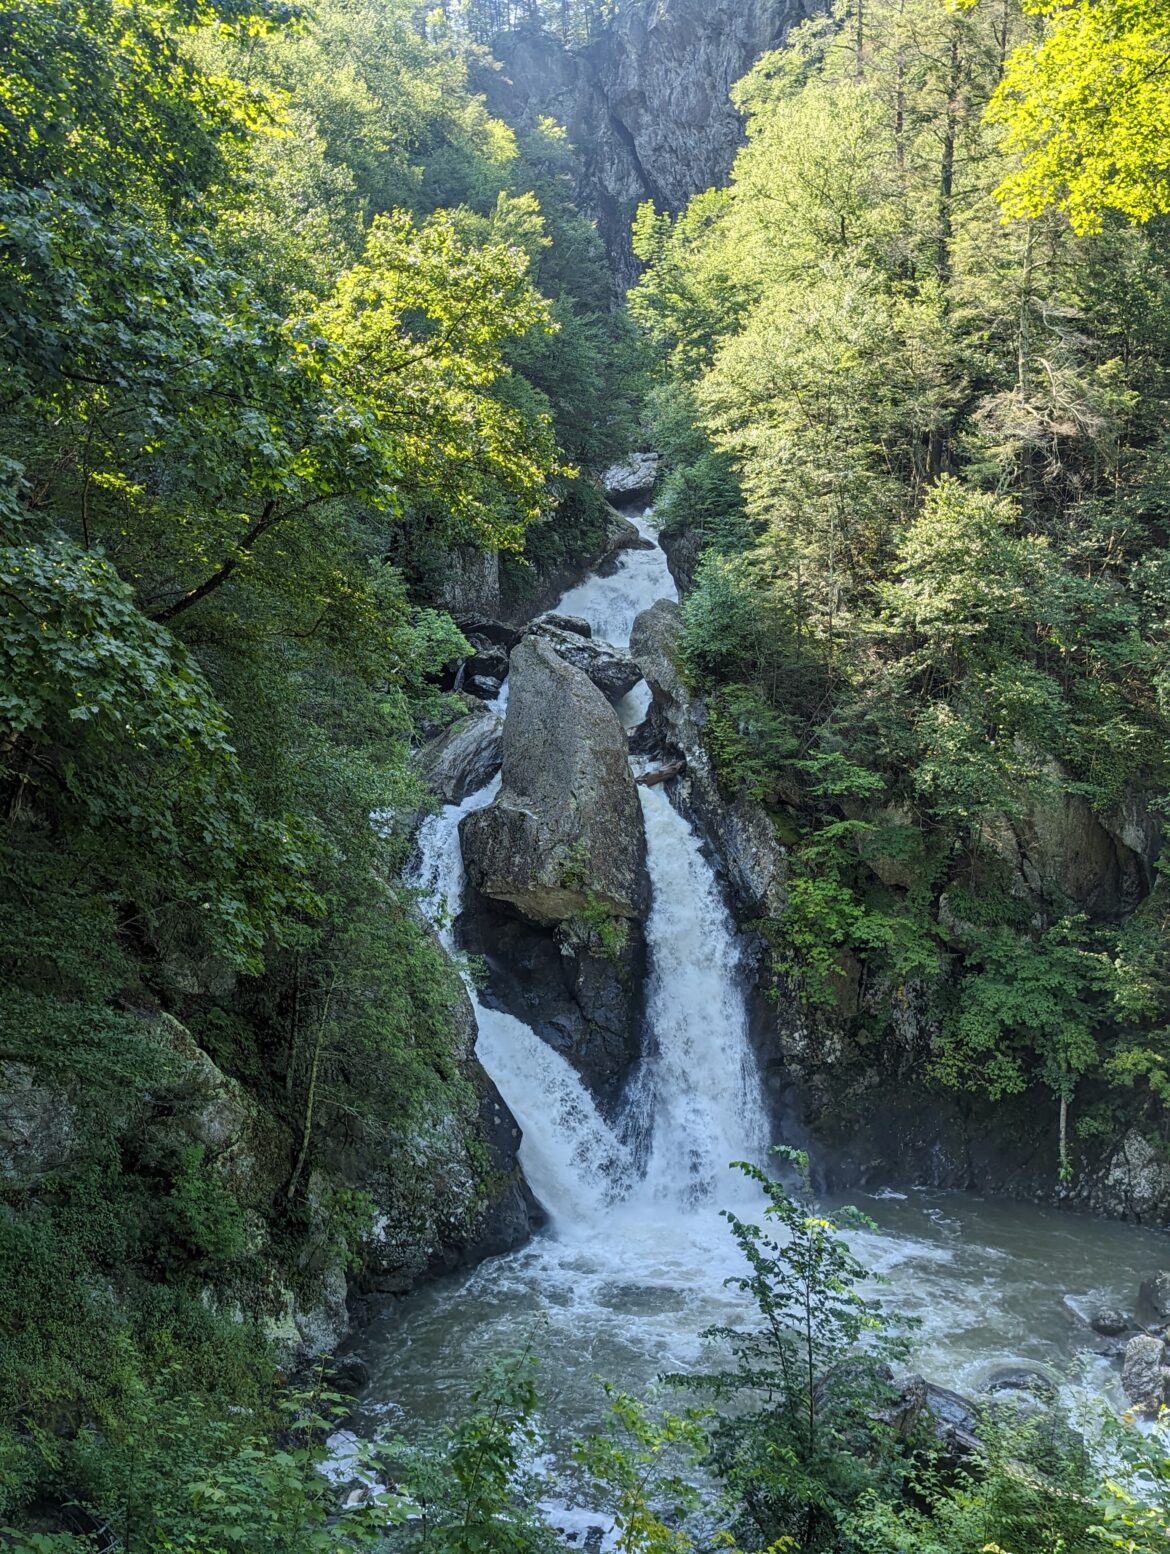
x,y
863,1105
646,105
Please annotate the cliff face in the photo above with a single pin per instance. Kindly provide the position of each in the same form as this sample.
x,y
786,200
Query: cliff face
x,y
646,105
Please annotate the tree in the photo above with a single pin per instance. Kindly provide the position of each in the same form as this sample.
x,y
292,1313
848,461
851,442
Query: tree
x,y
799,1406
1086,107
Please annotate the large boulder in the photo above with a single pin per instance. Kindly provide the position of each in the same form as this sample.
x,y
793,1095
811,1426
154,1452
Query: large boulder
x,y
612,672
632,480
1144,1375
447,1191
564,838
465,757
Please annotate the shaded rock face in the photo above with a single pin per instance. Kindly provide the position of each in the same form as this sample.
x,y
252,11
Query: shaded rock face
x,y
1061,849
741,831
646,105
632,481
565,833
611,672
472,583
447,1196
588,1008
465,757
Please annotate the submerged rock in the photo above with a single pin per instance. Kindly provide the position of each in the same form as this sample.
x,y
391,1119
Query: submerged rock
x,y
564,837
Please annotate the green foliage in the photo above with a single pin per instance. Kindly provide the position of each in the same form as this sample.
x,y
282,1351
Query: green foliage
x,y
474,1493
1032,1489
917,447
1086,106
797,1441
285,317
639,1462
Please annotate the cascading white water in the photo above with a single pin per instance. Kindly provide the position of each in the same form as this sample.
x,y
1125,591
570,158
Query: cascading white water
x,y
612,604
705,1095
697,1103
573,1161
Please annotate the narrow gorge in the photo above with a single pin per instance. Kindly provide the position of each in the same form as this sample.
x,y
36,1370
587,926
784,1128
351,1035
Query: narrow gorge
x,y
585,752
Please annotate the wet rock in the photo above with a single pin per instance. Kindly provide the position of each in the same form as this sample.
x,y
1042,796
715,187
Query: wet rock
x,y
1028,1380
465,757
489,659
632,480
620,535
486,629
348,1373
588,1008
1109,1322
753,859
1153,1306
573,623
918,1405
611,672
564,837
1144,1375
485,687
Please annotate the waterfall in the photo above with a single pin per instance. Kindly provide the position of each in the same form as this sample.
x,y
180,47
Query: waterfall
x,y
705,1100
697,1102
572,1159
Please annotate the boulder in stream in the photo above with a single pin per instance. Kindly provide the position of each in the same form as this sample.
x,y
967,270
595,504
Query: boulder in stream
x,y
1144,1375
632,480
564,838
465,757
613,673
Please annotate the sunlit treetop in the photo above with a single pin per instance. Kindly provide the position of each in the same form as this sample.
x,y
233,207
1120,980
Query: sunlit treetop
x,y
1087,110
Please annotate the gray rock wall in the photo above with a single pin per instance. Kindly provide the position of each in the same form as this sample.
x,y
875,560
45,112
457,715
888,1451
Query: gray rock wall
x,y
647,105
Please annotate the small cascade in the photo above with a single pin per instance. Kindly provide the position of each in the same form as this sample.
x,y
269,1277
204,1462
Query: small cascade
x,y
612,604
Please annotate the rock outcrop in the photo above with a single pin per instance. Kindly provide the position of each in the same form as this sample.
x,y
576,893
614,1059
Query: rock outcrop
x,y
646,105
611,672
631,481
564,837
741,831
557,870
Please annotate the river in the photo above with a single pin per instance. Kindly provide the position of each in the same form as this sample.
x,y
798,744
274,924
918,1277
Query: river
x,y
630,1269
